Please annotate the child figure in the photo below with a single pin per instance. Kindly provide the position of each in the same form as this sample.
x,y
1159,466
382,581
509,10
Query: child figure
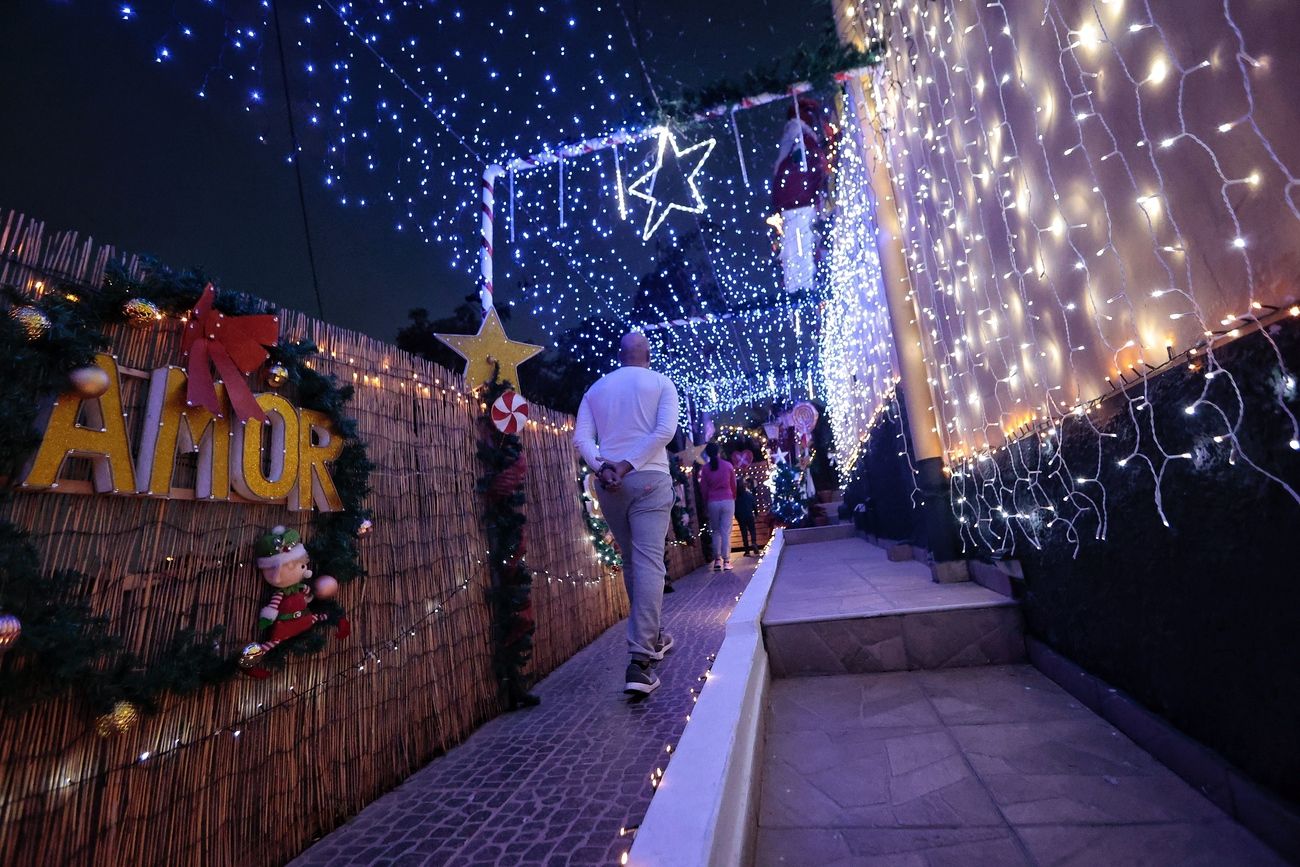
x,y
746,508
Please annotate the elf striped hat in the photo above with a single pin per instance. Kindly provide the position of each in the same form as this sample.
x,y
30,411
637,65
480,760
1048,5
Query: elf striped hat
x,y
277,547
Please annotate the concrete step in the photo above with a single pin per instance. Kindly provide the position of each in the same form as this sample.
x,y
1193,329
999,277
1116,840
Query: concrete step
x,y
841,606
830,510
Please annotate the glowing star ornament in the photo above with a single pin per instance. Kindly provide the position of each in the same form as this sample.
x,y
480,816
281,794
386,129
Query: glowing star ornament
x,y
488,349
644,186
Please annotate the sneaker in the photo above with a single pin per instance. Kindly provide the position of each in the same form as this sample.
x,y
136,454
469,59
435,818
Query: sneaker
x,y
639,678
717,565
662,646
726,564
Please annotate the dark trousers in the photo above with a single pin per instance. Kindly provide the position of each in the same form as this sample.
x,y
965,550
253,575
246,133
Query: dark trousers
x,y
748,532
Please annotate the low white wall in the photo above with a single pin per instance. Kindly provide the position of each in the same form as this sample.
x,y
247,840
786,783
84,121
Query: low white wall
x,y
704,810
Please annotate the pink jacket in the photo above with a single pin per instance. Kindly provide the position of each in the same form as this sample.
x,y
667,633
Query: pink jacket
x,y
719,484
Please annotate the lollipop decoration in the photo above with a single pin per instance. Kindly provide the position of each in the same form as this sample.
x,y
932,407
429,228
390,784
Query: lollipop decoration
x,y
803,417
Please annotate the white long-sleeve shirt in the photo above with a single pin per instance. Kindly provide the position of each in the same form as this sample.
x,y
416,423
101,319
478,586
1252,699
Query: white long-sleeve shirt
x,y
630,414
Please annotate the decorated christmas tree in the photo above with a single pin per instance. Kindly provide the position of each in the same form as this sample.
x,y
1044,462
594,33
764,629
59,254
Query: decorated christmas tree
x,y
787,498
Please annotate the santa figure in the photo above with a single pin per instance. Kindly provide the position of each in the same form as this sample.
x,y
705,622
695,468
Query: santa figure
x,y
798,181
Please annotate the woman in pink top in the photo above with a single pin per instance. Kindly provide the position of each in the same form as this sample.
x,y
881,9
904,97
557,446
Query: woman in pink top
x,y
718,487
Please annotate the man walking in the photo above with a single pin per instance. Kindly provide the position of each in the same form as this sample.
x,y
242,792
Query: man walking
x,y
625,423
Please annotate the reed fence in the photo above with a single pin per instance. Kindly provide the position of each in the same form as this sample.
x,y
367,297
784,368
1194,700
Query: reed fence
x,y
249,772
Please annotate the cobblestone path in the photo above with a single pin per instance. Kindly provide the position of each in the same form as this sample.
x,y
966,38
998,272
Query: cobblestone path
x,y
551,785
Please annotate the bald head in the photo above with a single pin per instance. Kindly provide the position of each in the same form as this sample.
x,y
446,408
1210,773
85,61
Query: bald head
x,y
634,350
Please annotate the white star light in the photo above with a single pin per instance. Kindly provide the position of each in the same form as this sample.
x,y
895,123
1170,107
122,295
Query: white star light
x,y
652,223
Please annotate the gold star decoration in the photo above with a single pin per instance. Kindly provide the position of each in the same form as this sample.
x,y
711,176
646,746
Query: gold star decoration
x,y
487,349
690,456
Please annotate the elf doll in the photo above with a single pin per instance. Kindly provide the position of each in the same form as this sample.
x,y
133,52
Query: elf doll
x,y
282,560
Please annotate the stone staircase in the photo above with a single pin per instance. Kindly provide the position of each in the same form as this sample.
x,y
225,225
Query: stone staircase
x,y
902,727
844,607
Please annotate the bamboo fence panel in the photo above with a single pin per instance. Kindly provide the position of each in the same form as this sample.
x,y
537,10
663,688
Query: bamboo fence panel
x,y
249,772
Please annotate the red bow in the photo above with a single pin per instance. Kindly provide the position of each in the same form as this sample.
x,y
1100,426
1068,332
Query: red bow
x,y
235,345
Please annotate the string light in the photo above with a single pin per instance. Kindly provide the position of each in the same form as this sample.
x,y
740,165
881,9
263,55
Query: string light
x,y
1028,266
409,122
857,366
399,111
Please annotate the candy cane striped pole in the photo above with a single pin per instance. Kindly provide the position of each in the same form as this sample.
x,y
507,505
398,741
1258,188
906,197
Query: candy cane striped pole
x,y
591,145
490,175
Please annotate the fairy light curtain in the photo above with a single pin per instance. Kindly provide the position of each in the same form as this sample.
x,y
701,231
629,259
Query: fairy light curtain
x,y
1088,190
857,365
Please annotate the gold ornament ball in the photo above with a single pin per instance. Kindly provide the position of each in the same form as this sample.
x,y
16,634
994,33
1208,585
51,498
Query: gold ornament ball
x,y
277,375
251,656
10,628
89,381
33,322
326,586
366,526
121,719
140,312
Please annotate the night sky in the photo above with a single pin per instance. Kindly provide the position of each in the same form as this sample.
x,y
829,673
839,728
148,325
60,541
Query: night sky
x,y
99,138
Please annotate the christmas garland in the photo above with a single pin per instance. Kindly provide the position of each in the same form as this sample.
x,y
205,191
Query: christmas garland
x,y
63,647
597,528
816,62
502,488
682,532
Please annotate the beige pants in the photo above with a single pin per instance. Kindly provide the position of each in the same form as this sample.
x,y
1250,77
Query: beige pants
x,y
638,514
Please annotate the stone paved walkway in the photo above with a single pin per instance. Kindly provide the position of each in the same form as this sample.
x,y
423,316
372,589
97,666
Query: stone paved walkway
x,y
992,766
552,785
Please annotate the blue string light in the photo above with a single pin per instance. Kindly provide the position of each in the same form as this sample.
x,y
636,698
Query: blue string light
x,y
405,102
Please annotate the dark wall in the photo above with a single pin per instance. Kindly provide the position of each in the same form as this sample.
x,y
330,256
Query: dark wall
x,y
881,481
1197,620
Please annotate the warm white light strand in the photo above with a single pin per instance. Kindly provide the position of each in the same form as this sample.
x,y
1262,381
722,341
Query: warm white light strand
x,y
1059,245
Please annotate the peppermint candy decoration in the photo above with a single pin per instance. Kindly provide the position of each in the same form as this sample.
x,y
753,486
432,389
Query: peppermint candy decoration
x,y
510,413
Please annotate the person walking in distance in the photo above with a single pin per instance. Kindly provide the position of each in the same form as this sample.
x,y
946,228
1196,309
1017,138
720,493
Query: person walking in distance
x,y
625,422
746,507
718,486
